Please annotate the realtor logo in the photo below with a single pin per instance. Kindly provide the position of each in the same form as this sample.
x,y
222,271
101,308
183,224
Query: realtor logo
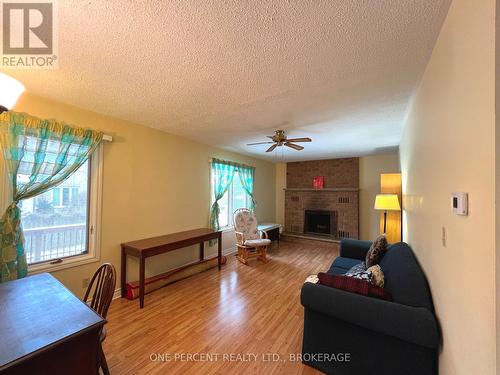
x,y
28,34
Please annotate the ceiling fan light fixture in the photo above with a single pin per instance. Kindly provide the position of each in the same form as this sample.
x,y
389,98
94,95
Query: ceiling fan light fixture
x,y
294,146
10,91
279,139
270,149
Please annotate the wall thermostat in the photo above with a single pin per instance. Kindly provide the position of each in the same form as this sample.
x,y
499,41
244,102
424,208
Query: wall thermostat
x,y
460,203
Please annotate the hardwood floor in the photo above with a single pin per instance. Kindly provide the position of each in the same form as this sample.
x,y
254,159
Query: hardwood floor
x,y
248,311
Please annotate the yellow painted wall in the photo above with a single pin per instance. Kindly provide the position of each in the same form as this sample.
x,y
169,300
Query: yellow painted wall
x,y
370,168
154,183
497,180
449,145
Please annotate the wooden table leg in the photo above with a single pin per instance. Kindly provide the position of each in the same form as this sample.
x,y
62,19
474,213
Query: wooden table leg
x,y
142,270
219,251
124,273
202,250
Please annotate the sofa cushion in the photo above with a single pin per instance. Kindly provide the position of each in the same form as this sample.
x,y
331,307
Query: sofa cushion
x,y
341,265
404,278
350,248
354,285
257,242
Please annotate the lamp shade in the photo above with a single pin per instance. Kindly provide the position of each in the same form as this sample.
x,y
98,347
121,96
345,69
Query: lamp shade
x,y
10,90
387,202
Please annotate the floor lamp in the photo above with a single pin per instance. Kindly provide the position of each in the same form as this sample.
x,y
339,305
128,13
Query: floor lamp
x,y
387,202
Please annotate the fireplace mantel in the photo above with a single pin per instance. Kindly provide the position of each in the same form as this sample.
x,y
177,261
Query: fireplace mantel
x,y
324,189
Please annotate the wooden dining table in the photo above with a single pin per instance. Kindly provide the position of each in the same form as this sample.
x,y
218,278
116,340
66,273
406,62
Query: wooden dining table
x,y
46,329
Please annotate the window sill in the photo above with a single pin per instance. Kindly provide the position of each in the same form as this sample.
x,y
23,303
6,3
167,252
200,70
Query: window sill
x,y
227,229
66,263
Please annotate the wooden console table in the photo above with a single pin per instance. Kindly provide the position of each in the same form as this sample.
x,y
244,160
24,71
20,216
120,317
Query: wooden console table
x,y
149,247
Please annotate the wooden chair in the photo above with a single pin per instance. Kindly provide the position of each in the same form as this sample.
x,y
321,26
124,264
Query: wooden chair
x,y
248,241
101,290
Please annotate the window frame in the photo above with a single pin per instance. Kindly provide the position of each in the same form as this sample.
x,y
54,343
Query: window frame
x,y
230,225
94,223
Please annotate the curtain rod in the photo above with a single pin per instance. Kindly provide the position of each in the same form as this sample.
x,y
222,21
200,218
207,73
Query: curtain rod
x,y
107,138
234,162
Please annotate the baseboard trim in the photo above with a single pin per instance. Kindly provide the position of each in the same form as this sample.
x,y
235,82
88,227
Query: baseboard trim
x,y
309,237
230,251
117,293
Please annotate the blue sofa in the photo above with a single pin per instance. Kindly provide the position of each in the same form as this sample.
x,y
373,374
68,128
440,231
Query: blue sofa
x,y
368,335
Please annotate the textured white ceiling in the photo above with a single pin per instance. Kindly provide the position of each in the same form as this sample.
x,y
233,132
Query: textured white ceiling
x,y
227,73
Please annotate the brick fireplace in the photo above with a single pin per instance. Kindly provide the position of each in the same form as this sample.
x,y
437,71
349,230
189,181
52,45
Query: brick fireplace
x,y
331,212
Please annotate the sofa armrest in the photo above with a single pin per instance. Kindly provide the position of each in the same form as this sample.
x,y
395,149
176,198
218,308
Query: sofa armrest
x,y
412,324
355,249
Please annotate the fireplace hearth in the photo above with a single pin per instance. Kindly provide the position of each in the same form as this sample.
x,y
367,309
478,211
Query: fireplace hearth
x,y
320,222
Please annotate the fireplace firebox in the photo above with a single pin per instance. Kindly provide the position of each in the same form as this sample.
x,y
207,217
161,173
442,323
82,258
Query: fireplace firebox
x,y
320,222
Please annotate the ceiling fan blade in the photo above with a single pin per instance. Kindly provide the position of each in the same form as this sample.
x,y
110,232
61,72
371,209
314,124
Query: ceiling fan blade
x,y
259,143
294,146
272,147
299,140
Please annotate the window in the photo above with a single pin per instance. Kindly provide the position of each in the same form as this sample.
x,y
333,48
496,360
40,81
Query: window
x,y
56,197
65,196
65,190
235,198
61,226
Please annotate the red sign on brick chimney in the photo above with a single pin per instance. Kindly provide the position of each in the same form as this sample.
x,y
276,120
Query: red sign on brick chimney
x,y
318,182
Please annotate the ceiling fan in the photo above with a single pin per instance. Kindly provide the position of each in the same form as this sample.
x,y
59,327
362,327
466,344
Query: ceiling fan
x,y
279,139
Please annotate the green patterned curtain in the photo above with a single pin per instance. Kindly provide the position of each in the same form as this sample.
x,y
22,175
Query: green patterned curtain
x,y
48,152
247,175
222,176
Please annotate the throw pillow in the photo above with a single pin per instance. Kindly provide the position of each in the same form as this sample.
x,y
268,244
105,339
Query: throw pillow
x,y
376,251
359,271
360,267
377,276
351,284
